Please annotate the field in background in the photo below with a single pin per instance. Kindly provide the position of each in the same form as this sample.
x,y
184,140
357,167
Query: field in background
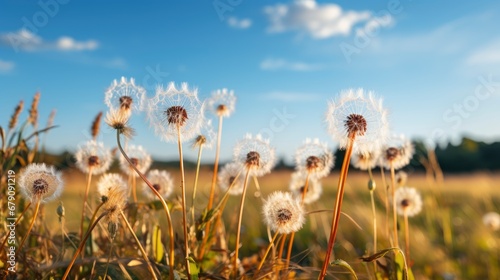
x,y
448,238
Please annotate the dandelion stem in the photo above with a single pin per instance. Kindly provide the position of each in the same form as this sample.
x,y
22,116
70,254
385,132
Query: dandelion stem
x,y
266,253
183,191
292,236
212,187
407,239
394,213
386,202
143,252
338,205
89,180
164,204
37,207
374,213
134,189
240,217
196,180
82,244
282,246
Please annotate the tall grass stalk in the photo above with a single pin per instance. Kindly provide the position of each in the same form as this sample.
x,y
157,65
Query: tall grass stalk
x,y
338,204
386,202
271,244
195,187
15,225
164,204
407,239
143,252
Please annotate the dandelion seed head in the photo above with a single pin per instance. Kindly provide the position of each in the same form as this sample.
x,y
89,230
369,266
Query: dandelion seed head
x,y
138,157
109,182
401,178
397,151
297,187
93,155
368,160
360,114
492,221
314,157
206,136
116,201
162,182
408,200
125,95
222,102
40,182
174,108
118,120
255,154
231,175
283,213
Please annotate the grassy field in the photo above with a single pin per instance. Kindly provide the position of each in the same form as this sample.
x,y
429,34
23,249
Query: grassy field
x,y
448,238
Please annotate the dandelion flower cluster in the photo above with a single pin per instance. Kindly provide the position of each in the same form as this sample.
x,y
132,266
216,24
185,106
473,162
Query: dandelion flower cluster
x,y
492,220
162,182
139,157
222,102
360,115
172,109
231,177
397,152
125,96
314,158
297,184
93,156
206,136
118,120
283,213
40,182
255,154
408,201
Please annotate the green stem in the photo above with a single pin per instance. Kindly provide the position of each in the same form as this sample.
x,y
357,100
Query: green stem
x,y
196,181
240,218
37,207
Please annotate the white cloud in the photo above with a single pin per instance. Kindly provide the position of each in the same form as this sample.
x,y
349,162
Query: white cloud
x,y
317,20
273,64
24,40
243,23
487,55
6,66
291,96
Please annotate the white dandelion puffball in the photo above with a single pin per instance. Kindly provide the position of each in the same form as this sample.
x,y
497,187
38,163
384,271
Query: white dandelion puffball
x,y
408,201
313,157
232,177
162,182
93,156
40,182
256,154
366,161
283,213
359,114
397,152
109,182
139,157
222,102
206,136
174,110
125,95
297,186
492,220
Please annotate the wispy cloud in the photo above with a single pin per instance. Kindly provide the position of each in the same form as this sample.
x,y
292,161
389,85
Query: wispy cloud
x,y
24,40
237,23
319,21
291,96
6,66
274,64
486,55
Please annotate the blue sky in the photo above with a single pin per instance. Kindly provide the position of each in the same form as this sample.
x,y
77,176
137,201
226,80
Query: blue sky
x,y
435,63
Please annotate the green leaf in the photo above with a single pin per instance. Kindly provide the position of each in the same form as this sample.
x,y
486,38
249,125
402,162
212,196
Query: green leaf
x,y
378,255
193,268
402,271
158,250
345,265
